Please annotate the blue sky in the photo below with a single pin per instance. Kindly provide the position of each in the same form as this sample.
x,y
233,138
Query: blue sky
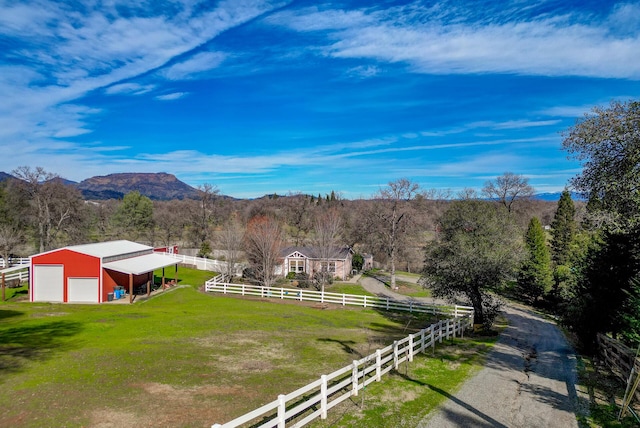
x,y
258,97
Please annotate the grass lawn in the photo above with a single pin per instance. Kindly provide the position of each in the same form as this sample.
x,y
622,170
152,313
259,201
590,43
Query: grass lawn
x,y
180,359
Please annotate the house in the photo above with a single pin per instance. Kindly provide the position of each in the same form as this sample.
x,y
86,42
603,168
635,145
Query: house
x,y
89,273
308,260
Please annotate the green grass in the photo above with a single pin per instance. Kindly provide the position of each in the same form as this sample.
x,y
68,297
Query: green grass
x,y
348,288
181,358
405,397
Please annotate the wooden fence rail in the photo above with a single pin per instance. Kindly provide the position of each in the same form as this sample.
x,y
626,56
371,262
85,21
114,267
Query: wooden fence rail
x,y
314,400
621,359
387,303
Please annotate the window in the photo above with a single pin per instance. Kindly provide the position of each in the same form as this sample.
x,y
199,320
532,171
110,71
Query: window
x,y
296,266
328,266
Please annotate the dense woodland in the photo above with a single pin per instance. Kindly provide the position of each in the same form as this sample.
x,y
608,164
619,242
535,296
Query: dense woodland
x,y
580,260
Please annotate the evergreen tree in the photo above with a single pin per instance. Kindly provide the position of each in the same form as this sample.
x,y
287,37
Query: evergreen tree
x,y
134,216
563,229
534,278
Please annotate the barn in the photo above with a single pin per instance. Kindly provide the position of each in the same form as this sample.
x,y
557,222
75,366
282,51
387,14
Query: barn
x,y
89,273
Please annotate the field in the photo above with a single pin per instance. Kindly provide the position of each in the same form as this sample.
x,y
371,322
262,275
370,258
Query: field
x,y
188,359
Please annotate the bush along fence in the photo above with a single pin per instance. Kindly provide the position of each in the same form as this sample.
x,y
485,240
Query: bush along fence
x,y
625,364
215,286
314,400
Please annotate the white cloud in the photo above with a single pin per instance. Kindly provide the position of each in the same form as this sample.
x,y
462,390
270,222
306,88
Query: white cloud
x,y
129,89
72,52
195,65
172,96
547,46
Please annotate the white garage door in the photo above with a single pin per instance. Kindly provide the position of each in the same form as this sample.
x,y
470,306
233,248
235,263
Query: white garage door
x,y
48,283
82,290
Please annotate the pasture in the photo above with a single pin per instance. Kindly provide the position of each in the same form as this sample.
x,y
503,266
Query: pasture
x,y
187,359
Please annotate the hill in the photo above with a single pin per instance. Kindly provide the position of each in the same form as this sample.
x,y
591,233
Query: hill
x,y
158,186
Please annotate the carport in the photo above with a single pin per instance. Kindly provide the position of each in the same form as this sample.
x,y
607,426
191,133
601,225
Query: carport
x,y
138,267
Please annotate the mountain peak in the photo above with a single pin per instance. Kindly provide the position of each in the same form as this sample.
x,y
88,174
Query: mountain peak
x,y
159,186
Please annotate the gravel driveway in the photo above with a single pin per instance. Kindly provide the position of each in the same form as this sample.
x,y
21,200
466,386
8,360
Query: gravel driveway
x,y
528,381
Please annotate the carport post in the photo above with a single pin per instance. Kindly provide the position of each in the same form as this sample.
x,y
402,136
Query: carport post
x,y
176,278
149,284
130,288
163,278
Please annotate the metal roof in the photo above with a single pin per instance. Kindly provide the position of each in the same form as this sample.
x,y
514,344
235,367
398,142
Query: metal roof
x,y
109,249
141,264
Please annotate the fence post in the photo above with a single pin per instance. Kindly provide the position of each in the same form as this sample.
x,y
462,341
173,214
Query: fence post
x,y
322,296
395,354
410,306
243,289
411,347
365,301
344,299
354,378
387,303
440,331
448,327
282,410
378,364
282,293
422,340
323,397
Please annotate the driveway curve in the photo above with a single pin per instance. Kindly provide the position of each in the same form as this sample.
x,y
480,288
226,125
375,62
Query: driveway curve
x,y
529,380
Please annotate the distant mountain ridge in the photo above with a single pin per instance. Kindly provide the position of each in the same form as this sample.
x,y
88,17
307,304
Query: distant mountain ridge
x,y
159,186
163,186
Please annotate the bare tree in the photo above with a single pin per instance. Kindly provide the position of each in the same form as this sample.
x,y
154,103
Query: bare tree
x,y
230,240
392,217
328,227
298,211
204,214
263,242
508,188
169,220
54,203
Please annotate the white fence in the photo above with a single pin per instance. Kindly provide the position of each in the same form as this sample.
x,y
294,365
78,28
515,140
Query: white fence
x,y
305,404
206,264
14,261
21,276
341,299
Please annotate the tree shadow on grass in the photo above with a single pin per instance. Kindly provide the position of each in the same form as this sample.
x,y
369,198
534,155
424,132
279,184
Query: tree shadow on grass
x,y
8,313
18,345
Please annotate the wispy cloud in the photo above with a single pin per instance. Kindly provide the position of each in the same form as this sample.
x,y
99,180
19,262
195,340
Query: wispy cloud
x,y
172,96
548,46
72,51
193,66
129,89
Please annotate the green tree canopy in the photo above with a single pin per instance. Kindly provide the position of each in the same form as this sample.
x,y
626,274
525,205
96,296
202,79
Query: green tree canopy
x,y
134,215
607,143
478,246
563,229
535,276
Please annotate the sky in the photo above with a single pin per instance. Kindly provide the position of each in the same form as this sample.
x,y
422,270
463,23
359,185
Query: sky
x,y
259,97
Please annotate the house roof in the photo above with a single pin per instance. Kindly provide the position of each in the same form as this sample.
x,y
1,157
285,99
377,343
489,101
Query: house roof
x,y
141,264
338,253
110,248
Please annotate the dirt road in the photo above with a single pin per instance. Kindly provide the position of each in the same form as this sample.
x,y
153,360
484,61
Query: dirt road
x,y
528,381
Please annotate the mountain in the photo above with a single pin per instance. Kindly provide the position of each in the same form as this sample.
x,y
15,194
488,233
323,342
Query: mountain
x,y
158,186
555,196
5,176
